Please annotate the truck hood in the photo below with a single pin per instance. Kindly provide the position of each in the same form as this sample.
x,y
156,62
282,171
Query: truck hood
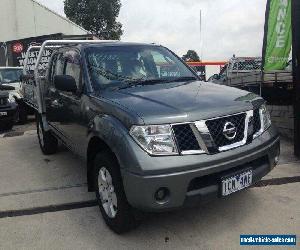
x,y
182,102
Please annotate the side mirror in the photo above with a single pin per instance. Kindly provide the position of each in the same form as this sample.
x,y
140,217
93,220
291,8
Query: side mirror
x,y
65,83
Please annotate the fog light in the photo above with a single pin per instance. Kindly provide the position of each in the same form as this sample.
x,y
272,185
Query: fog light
x,y
162,195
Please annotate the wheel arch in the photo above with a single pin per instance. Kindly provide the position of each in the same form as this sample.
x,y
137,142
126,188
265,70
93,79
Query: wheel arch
x,y
95,145
107,133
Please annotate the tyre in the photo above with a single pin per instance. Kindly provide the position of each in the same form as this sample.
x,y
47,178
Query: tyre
x,y
114,207
48,143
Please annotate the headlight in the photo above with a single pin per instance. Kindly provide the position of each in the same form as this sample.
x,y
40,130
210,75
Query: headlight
x,y
11,99
265,117
155,139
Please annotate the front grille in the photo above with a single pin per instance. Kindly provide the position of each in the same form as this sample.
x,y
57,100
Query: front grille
x,y
185,137
216,127
256,121
3,101
217,134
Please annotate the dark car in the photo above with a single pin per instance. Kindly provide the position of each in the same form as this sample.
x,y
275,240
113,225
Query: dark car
x,y
8,107
154,137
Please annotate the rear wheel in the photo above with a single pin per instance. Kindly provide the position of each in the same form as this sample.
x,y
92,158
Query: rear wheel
x,y
110,194
48,143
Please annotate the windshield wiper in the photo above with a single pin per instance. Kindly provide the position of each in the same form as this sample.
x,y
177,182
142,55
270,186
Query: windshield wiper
x,y
184,78
147,81
136,82
141,81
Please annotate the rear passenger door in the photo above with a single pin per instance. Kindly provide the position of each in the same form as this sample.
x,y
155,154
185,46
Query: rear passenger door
x,y
54,109
71,124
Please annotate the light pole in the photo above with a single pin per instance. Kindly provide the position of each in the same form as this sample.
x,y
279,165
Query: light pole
x,y
201,45
296,72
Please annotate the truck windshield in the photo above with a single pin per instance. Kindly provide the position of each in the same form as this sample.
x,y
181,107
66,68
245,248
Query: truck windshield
x,y
10,75
113,66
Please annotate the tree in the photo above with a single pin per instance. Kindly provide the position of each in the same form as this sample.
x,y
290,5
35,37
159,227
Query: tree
x,y
97,16
191,56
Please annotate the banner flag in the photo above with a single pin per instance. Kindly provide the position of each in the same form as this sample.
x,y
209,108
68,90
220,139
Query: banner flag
x,y
278,35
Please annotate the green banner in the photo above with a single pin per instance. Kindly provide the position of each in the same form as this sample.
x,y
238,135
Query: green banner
x,y
278,35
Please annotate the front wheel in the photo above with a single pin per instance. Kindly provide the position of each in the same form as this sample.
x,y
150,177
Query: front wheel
x,y
110,194
48,143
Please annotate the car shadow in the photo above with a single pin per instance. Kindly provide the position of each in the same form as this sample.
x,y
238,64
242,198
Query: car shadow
x,y
224,212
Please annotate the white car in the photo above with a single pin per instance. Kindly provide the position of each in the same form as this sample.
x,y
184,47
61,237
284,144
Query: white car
x,y
10,76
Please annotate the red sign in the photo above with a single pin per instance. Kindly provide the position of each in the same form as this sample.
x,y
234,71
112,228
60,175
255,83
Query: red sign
x,y
17,48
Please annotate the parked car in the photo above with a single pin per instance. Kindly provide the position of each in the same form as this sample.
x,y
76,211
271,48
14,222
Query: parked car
x,y
237,67
154,139
275,86
10,76
8,108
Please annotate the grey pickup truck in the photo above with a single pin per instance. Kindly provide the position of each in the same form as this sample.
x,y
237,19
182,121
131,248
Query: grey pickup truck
x,y
154,137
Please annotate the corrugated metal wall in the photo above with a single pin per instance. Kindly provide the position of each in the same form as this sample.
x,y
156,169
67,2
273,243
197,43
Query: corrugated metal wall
x,y
27,18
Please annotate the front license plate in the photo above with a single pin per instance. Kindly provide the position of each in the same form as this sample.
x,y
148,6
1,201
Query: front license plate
x,y
3,113
236,182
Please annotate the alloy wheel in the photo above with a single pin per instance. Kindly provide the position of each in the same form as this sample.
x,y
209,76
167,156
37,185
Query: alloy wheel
x,y
107,193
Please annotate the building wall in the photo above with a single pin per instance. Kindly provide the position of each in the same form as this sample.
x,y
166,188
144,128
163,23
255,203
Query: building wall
x,y
283,118
27,18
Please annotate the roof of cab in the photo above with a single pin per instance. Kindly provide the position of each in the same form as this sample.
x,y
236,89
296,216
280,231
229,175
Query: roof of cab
x,y
117,43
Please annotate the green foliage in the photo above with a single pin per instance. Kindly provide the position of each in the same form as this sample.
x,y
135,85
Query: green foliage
x,y
97,16
191,56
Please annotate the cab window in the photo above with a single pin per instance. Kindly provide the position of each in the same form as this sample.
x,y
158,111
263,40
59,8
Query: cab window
x,y
59,66
72,67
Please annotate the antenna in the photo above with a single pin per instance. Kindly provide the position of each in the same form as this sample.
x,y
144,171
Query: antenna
x,y
201,42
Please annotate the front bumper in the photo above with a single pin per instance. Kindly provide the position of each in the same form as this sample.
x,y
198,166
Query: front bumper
x,y
11,113
196,178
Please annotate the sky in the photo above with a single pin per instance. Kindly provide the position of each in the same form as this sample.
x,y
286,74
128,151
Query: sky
x,y
228,26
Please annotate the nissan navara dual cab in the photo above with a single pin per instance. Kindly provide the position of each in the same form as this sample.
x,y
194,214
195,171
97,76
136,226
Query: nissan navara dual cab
x,y
155,138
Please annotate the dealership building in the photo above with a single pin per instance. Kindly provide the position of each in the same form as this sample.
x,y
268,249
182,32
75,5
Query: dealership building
x,y
21,21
